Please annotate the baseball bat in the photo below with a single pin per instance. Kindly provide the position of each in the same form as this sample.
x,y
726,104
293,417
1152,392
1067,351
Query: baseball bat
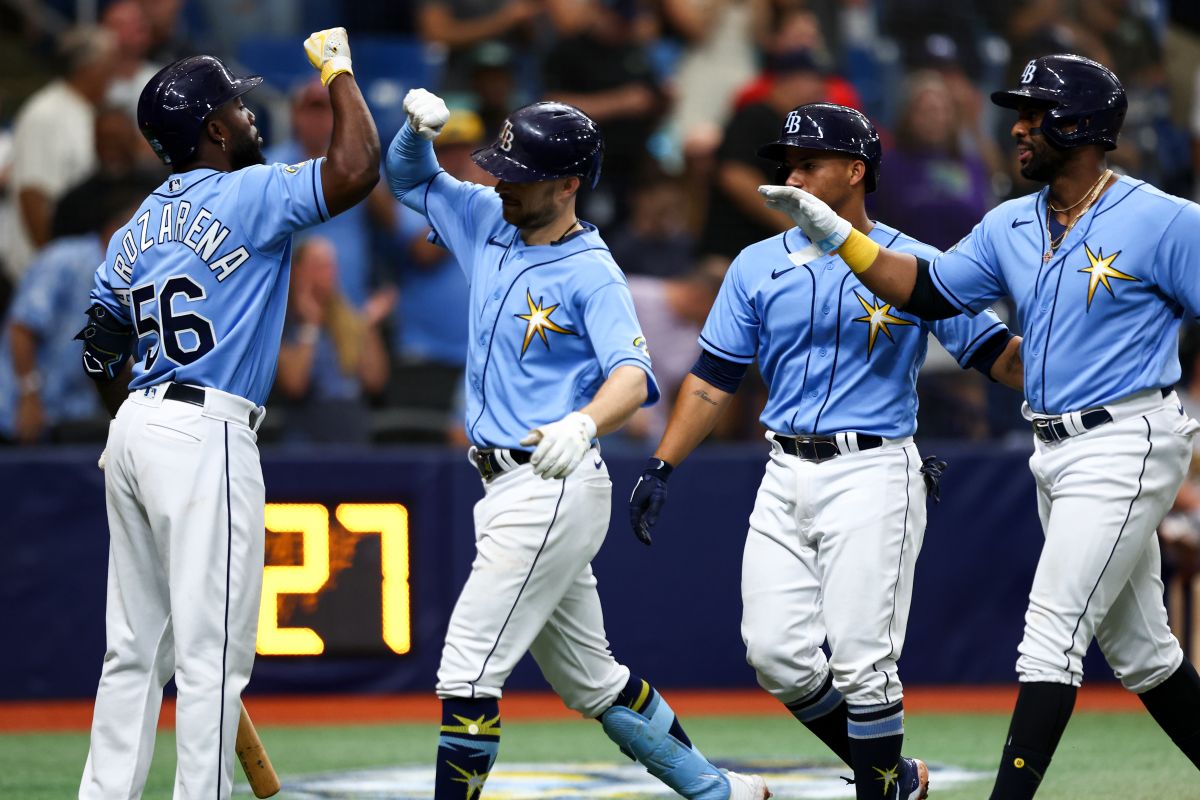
x,y
255,762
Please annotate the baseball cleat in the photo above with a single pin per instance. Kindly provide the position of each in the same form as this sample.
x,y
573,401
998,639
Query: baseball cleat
x,y
914,779
747,787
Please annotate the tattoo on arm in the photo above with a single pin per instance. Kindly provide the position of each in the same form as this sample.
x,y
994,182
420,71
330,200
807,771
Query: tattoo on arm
x,y
703,395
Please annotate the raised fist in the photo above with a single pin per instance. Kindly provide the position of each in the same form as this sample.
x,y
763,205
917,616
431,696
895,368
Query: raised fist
x,y
427,112
329,51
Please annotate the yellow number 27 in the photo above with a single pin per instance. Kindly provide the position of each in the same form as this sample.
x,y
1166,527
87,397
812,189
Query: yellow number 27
x,y
311,521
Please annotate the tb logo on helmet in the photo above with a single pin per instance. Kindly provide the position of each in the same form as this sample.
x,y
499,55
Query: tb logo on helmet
x,y
1028,73
505,139
792,124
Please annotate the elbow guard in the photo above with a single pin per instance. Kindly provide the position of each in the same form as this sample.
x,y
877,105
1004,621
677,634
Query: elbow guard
x,y
107,342
926,301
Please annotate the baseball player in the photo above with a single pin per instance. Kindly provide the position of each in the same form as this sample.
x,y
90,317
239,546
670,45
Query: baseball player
x,y
840,515
1102,270
194,287
556,357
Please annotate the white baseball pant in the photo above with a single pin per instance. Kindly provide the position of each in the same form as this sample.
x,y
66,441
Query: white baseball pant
x,y
830,553
1101,496
531,588
185,514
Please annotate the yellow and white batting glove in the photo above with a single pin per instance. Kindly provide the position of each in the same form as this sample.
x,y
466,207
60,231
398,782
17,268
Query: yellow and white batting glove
x,y
561,445
825,229
427,113
329,51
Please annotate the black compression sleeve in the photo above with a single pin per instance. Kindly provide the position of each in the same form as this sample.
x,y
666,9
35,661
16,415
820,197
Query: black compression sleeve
x,y
722,373
926,301
984,357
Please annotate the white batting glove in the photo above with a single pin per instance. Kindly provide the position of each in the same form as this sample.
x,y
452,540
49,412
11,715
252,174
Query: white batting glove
x,y
825,229
427,112
103,459
329,51
561,445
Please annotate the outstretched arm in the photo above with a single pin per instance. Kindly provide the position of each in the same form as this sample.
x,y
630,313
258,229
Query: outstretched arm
x,y
891,275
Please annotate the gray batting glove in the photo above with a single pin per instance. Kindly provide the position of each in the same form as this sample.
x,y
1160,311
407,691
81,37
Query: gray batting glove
x,y
823,227
560,445
427,113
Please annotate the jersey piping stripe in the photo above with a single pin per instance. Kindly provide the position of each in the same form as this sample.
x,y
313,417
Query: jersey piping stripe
x,y
1100,577
1046,344
528,575
981,337
812,315
491,340
949,295
837,350
899,564
1121,199
723,351
187,189
425,201
316,197
225,644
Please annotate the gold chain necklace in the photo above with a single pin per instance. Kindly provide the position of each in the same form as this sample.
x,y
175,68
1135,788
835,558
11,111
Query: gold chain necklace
x,y
1091,196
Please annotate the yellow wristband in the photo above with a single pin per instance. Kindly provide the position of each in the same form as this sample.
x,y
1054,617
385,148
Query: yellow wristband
x,y
858,251
334,67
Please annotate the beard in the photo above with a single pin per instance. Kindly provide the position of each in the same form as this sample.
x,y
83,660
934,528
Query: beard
x,y
527,217
1044,163
246,152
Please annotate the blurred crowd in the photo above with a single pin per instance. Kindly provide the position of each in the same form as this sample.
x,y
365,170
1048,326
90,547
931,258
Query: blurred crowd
x,y
685,91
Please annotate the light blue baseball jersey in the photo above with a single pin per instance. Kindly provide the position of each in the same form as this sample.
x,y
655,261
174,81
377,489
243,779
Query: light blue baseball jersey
x,y
1100,318
548,323
834,356
47,302
201,273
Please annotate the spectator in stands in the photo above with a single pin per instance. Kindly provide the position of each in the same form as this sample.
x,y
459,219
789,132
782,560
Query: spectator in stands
x,y
1180,531
602,65
672,310
494,86
168,43
332,356
655,240
44,395
719,57
53,146
351,231
460,25
936,189
122,156
126,19
736,215
433,313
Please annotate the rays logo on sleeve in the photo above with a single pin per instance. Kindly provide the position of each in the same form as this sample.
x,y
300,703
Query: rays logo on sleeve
x,y
1100,269
538,321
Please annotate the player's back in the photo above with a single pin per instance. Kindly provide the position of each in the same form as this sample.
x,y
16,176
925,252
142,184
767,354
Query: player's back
x,y
201,271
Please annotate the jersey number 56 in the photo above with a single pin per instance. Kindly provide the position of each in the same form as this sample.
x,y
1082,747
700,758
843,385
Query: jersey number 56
x,y
183,336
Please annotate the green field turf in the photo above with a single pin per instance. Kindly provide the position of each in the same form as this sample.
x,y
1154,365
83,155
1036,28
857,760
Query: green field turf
x,y
1103,756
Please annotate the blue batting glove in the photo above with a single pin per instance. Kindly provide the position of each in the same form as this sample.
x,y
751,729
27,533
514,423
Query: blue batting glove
x,y
648,497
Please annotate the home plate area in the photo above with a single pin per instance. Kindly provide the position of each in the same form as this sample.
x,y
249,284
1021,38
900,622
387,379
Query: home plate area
x,y
583,780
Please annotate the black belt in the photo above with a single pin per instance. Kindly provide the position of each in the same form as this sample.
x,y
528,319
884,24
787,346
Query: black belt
x,y
824,448
186,393
489,465
1052,429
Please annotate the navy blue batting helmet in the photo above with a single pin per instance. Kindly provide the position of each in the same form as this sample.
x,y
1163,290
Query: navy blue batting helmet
x,y
543,141
1080,95
175,102
828,126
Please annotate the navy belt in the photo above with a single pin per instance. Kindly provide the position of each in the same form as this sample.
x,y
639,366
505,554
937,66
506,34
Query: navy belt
x,y
824,448
1052,429
186,393
490,464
